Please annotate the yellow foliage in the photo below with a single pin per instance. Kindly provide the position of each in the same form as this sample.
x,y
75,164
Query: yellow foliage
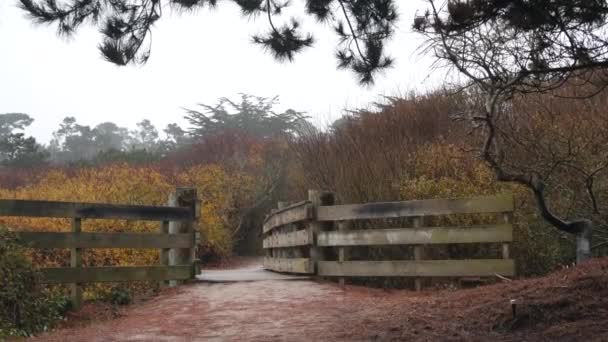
x,y
124,184
221,195
446,171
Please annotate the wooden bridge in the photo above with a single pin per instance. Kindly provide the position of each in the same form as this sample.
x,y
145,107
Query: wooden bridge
x,y
302,237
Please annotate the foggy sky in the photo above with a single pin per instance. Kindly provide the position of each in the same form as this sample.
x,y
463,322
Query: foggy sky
x,y
196,57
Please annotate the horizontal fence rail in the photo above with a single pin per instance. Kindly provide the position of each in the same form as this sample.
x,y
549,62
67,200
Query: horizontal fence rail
x,y
291,239
298,237
115,274
291,265
421,268
92,210
434,207
419,236
105,240
297,212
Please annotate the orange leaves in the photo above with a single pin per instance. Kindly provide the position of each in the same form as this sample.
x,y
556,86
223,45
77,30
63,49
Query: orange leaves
x,y
221,194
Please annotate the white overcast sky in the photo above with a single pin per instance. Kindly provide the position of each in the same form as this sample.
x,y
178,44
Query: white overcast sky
x,y
196,58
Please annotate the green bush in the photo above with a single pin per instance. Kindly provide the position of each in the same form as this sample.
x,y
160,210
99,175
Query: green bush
x,y
26,307
118,295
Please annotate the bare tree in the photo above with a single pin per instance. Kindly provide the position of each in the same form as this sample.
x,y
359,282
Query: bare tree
x,y
505,50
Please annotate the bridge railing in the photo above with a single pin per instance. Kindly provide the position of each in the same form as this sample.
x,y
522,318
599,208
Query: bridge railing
x,y
287,234
176,232
313,237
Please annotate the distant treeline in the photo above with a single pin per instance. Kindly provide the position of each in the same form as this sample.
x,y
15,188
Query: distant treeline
x,y
74,144
235,152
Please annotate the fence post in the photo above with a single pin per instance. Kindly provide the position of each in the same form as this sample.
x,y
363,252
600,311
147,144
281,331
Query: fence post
x,y
76,261
418,253
282,252
506,217
164,252
183,197
196,235
318,198
342,251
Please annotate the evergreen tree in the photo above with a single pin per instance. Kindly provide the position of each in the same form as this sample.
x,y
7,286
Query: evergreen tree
x,y
252,115
175,138
362,26
109,136
13,121
15,148
556,38
145,137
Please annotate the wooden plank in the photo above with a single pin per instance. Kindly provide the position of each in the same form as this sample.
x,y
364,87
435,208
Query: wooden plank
x,y
418,253
293,265
280,253
115,274
505,246
164,252
76,263
288,215
318,198
292,239
422,268
417,236
92,210
343,226
494,204
105,240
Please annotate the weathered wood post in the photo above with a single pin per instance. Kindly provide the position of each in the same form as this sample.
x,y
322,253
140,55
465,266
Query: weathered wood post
x,y
269,251
507,218
76,262
318,198
164,252
281,252
342,251
196,266
183,197
418,252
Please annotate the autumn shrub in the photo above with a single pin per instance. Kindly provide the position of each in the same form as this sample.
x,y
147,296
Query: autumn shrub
x,y
445,170
364,155
410,148
565,142
258,167
26,307
113,184
220,192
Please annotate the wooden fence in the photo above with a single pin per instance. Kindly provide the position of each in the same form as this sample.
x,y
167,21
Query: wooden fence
x,y
298,236
176,239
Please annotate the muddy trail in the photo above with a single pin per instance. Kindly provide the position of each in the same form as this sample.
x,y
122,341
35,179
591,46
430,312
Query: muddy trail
x,y
570,305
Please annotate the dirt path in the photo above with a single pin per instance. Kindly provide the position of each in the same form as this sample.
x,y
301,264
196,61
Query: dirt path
x,y
569,305
270,310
